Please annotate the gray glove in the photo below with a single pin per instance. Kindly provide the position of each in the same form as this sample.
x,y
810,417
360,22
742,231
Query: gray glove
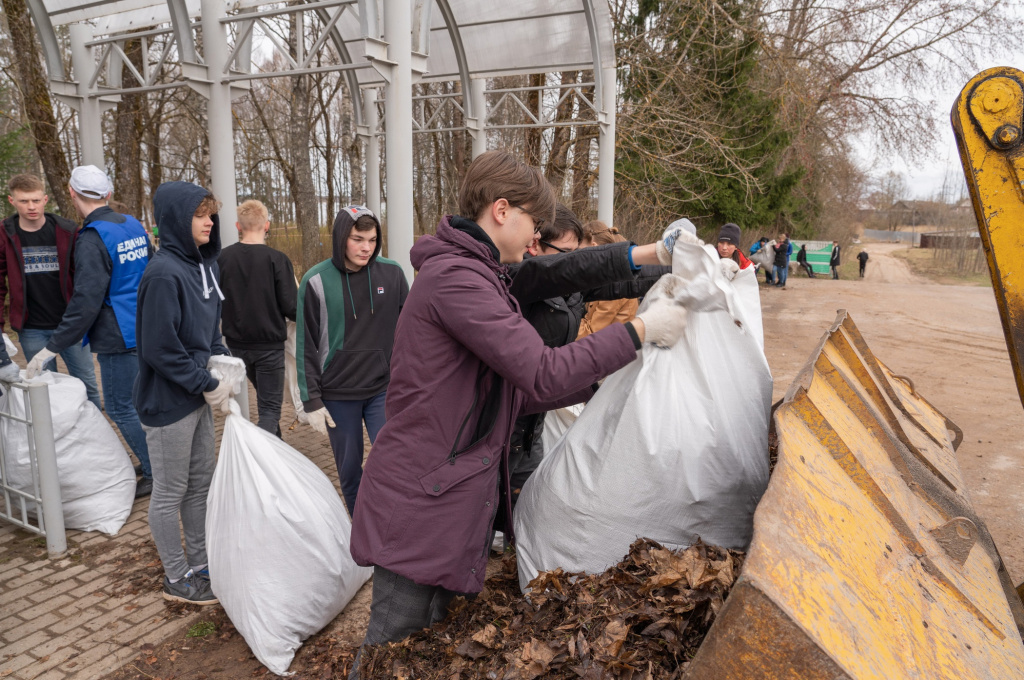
x,y
320,420
665,318
9,372
219,397
38,363
729,269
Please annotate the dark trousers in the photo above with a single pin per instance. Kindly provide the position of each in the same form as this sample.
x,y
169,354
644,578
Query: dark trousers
x,y
265,369
862,266
835,271
401,607
808,269
347,439
119,372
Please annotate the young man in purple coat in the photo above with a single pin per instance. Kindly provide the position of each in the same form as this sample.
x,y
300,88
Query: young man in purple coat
x,y
465,365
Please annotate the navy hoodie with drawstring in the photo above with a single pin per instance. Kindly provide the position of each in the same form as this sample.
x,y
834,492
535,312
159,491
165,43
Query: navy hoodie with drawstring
x,y
346,321
177,325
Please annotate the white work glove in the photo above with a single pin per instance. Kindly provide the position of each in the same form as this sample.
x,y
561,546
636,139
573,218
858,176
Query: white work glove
x,y
220,397
35,367
320,420
665,318
678,231
729,268
9,373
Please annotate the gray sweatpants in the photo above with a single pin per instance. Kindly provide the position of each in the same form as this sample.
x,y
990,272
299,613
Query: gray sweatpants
x,y
401,607
182,455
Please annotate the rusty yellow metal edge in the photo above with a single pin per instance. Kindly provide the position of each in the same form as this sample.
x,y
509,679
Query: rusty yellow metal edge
x,y
868,560
994,169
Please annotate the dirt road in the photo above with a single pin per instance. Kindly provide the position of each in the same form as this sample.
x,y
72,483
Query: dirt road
x,y
949,340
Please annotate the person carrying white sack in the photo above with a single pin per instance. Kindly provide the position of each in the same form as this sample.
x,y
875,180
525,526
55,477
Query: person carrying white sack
x,y
177,331
673,446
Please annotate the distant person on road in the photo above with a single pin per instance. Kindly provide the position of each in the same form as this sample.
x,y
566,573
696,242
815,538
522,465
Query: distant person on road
x,y
801,258
349,308
834,261
111,253
178,330
259,295
36,270
758,246
783,251
862,256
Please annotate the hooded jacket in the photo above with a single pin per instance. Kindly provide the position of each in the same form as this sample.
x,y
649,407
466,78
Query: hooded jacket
x,y
12,265
346,325
466,363
178,318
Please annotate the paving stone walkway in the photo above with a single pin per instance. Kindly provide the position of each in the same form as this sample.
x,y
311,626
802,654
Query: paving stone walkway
x,y
89,613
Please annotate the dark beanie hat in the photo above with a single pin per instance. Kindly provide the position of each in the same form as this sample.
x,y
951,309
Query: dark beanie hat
x,y
729,232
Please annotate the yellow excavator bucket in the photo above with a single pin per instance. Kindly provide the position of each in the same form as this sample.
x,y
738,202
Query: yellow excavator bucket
x,y
867,559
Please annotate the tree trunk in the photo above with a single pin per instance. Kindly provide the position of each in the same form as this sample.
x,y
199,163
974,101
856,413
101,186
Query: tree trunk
x,y
557,160
35,97
582,176
303,190
128,130
154,162
533,135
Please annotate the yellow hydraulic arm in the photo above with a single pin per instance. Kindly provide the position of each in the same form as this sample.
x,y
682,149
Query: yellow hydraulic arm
x,y
987,121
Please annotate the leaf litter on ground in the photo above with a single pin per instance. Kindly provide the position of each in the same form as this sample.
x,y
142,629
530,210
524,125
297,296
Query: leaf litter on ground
x,y
641,619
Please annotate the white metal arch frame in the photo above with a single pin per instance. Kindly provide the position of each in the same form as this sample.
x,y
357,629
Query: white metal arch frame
x,y
382,45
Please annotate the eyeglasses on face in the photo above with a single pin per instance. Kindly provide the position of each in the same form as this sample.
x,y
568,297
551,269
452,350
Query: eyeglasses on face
x,y
548,245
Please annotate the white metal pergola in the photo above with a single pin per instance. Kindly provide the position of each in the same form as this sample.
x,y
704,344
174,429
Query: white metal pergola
x,y
382,46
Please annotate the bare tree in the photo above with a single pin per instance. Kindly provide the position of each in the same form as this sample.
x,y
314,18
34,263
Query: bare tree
x,y
128,133
35,96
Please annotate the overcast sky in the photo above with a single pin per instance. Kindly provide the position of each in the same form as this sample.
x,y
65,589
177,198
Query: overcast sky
x,y
925,178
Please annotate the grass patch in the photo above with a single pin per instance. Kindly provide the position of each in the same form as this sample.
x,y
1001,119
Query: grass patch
x,y
202,629
923,263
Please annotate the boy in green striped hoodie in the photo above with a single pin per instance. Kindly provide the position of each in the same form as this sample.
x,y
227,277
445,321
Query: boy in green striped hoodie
x,y
348,310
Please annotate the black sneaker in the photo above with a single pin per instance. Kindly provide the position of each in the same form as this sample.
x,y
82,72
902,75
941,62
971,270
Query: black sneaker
x,y
138,470
143,487
191,590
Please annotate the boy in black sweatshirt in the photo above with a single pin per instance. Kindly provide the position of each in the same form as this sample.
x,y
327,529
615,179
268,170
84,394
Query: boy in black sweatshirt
x,y
259,295
177,330
349,309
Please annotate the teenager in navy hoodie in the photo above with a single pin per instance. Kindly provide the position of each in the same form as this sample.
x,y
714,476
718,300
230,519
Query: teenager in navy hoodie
x,y
177,330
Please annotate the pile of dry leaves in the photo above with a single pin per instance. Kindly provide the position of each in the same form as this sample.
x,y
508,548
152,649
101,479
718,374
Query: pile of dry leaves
x,y
643,618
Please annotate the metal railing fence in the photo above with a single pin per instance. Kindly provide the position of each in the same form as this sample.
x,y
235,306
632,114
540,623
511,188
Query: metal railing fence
x,y
19,505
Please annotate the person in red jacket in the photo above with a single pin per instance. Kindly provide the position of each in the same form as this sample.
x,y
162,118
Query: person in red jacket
x,y
465,365
35,269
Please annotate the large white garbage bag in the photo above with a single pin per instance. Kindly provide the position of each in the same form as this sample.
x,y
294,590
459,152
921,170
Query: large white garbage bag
x,y
12,349
97,482
557,423
291,375
277,537
672,446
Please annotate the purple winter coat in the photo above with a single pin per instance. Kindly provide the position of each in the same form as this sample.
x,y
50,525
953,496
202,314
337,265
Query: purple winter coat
x,y
422,512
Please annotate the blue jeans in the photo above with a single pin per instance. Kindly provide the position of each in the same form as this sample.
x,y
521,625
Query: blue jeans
x,y
78,359
119,372
347,439
781,273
